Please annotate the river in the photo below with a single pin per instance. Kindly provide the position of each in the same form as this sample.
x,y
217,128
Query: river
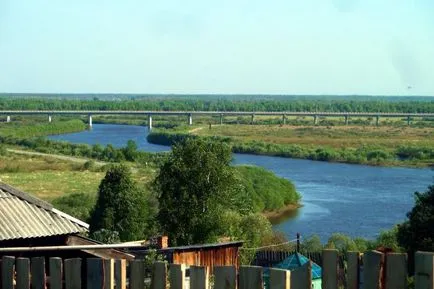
x,y
356,200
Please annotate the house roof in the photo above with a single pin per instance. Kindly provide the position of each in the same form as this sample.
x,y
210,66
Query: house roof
x,y
23,216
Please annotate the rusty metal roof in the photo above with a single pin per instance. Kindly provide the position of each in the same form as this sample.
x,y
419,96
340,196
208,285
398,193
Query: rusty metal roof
x,y
24,216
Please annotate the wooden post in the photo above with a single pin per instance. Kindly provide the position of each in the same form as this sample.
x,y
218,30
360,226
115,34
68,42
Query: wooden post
x,y
372,266
280,279
109,273
302,277
23,273
177,276
73,273
198,277
251,277
38,273
159,275
396,271
8,264
95,273
56,274
121,274
424,270
353,266
137,274
330,269
225,277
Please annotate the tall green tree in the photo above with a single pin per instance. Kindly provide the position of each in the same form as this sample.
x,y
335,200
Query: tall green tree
x,y
417,233
194,186
122,208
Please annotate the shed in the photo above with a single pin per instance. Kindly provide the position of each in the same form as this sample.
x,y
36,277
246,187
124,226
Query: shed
x,y
26,221
209,255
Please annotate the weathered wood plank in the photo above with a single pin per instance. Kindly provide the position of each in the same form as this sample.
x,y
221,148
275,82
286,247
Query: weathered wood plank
x,y
225,277
8,267
424,270
301,278
109,274
280,279
251,277
199,277
330,269
56,273
396,271
177,276
121,274
353,265
137,274
72,273
372,266
37,269
159,276
95,273
23,273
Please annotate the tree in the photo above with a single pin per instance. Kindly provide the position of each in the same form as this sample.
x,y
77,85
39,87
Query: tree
x,y
121,208
130,151
417,232
194,186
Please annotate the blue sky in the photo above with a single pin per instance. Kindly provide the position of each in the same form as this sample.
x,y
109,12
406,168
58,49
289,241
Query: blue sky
x,y
226,46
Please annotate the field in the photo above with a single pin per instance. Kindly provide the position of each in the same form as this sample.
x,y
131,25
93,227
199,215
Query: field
x,y
332,136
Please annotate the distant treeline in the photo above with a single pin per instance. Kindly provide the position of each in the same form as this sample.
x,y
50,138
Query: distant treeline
x,y
227,103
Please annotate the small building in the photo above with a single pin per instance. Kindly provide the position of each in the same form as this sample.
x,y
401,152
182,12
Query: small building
x,y
26,221
209,255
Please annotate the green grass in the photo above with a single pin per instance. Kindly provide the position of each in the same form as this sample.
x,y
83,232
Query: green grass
x,y
28,128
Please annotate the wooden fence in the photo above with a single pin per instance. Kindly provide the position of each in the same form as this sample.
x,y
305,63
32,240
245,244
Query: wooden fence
x,y
380,271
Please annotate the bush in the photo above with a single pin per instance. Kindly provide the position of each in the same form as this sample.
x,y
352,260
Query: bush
x,y
78,205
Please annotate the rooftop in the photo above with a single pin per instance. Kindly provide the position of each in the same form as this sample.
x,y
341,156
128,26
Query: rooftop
x,y
23,216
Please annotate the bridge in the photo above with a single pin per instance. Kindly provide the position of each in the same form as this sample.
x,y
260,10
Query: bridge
x,y
190,114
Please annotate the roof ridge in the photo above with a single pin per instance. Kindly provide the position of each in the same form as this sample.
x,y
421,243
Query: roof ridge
x,y
26,196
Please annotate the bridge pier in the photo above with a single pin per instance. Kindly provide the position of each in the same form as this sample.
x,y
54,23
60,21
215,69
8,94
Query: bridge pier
x,y
221,119
346,119
150,122
49,118
253,119
315,119
90,121
284,119
377,121
190,119
8,118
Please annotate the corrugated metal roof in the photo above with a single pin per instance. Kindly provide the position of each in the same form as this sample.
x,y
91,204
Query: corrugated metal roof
x,y
23,216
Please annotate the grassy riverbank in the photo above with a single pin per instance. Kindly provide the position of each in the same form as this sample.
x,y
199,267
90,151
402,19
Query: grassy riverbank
x,y
28,128
386,146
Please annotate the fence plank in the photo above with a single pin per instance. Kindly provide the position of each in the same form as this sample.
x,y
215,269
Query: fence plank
x,y
159,275
95,273
38,272
330,269
198,277
424,267
137,274
396,271
8,272
23,273
56,273
109,274
225,277
372,266
280,279
121,274
251,277
73,273
177,276
301,278
353,265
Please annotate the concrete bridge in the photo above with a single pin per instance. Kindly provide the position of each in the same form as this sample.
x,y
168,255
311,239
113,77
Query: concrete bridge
x,y
190,114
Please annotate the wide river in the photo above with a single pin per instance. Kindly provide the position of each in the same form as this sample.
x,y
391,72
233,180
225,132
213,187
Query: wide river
x,y
356,200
